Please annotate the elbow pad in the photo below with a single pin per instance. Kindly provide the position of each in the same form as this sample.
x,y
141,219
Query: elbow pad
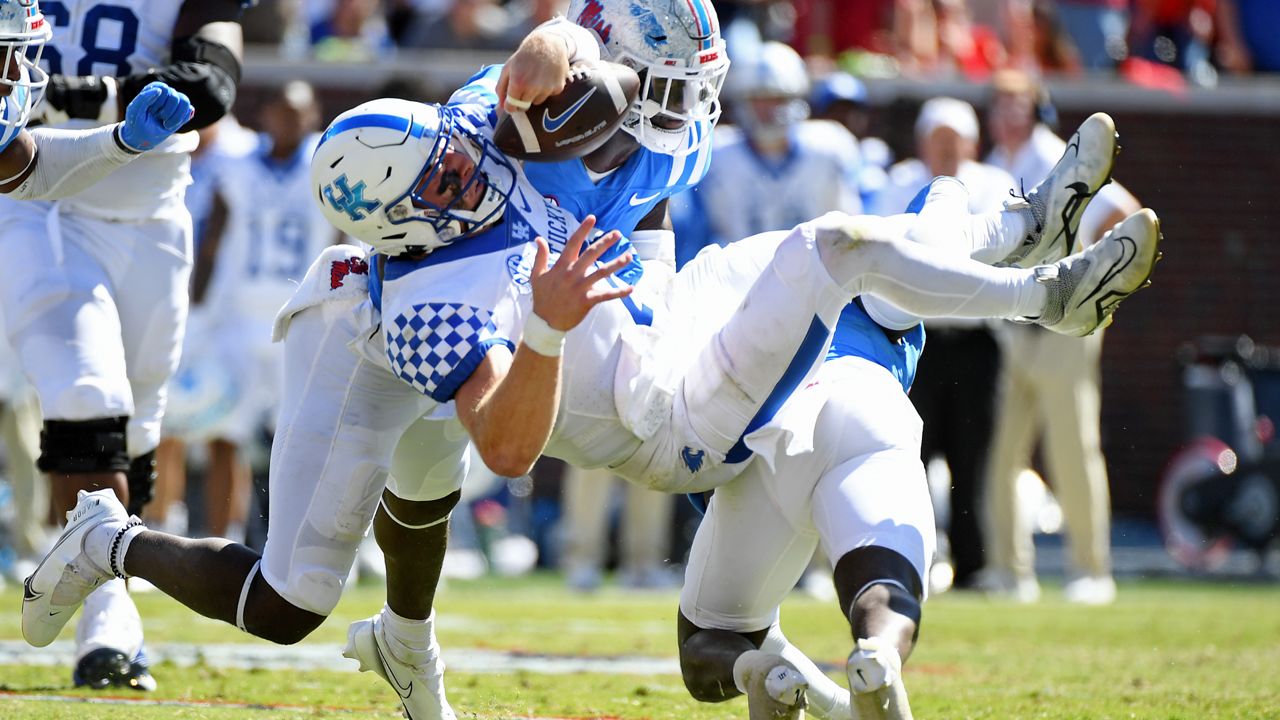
x,y
206,71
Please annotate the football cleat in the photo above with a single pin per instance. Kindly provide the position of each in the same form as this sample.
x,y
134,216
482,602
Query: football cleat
x,y
1086,288
107,667
67,574
775,689
875,681
1058,202
419,686
1090,590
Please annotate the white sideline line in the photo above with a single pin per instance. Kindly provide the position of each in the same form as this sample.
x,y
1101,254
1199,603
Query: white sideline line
x,y
205,705
255,656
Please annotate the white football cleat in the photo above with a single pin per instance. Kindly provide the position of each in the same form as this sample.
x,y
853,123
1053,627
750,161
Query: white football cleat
x,y
875,681
775,688
419,686
1058,202
67,574
1085,288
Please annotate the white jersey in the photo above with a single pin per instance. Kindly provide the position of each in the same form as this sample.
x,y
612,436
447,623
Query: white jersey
x,y
442,314
119,38
274,229
745,194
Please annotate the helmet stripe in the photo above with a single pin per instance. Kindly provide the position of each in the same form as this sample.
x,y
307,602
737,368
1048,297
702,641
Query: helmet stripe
x,y
705,27
394,122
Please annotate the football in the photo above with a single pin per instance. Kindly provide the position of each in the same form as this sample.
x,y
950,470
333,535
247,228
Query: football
x,y
577,121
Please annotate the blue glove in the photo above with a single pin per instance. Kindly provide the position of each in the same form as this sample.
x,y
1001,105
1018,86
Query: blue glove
x,y
155,114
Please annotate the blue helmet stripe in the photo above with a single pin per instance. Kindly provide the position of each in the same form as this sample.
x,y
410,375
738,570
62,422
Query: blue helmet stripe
x,y
394,122
704,24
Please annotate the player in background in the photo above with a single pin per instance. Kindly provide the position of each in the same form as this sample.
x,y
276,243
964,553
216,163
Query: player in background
x,y
799,168
194,399
97,317
264,228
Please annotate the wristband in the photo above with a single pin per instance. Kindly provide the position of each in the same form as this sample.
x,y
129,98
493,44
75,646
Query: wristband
x,y
542,338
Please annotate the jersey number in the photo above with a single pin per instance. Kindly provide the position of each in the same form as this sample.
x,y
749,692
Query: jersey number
x,y
284,258
91,40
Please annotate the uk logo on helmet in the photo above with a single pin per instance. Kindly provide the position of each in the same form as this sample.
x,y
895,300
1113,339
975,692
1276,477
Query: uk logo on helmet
x,y
349,200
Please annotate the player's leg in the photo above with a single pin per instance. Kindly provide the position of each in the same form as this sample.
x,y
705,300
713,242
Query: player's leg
x,y
339,421
411,526
64,324
873,513
745,558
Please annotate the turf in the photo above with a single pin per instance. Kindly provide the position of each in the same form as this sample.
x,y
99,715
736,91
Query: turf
x,y
1167,649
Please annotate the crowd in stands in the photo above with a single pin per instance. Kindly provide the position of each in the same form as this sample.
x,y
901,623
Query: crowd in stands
x,y
1167,43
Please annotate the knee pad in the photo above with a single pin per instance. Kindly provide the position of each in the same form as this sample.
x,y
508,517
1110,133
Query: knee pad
x,y
84,446
142,481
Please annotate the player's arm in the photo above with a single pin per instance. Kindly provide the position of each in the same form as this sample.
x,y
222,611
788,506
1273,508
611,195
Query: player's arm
x,y
209,244
539,68
508,404
47,164
204,64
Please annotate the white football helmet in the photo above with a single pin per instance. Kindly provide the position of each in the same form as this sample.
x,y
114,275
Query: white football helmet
x,y
23,33
675,46
375,161
769,90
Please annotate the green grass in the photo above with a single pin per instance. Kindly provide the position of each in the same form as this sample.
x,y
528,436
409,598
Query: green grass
x,y
1167,650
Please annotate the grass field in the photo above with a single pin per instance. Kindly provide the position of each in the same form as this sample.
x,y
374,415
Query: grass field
x,y
1167,649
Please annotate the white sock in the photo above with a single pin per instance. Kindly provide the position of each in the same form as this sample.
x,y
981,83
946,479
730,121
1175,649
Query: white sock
x,y
412,641
991,237
928,282
827,700
109,619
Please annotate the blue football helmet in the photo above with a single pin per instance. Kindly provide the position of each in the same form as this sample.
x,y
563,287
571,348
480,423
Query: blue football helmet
x,y
378,164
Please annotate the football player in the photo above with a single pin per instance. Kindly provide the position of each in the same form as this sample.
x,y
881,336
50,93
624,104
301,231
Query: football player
x,y
465,302
800,168
42,164
97,316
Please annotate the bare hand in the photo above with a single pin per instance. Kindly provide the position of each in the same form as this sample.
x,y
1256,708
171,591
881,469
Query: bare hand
x,y
538,70
564,293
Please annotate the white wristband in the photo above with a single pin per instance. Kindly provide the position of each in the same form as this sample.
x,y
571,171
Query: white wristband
x,y
542,338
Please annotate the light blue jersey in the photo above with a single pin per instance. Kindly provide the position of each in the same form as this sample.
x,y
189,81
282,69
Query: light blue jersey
x,y
857,335
10,111
623,197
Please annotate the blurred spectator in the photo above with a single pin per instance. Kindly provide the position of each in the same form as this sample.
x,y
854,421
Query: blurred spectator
x,y
832,27
347,30
1099,29
842,98
799,168
20,422
1248,36
643,538
955,382
1038,41
1050,387
471,25
965,48
1178,33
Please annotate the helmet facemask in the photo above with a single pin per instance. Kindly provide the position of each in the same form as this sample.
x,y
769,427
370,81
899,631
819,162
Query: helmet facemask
x,y
492,175
677,105
23,34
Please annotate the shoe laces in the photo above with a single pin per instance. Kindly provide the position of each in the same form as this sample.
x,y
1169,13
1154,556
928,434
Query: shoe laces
x,y
1060,281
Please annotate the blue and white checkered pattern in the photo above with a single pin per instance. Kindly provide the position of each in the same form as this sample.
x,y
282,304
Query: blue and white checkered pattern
x,y
436,346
